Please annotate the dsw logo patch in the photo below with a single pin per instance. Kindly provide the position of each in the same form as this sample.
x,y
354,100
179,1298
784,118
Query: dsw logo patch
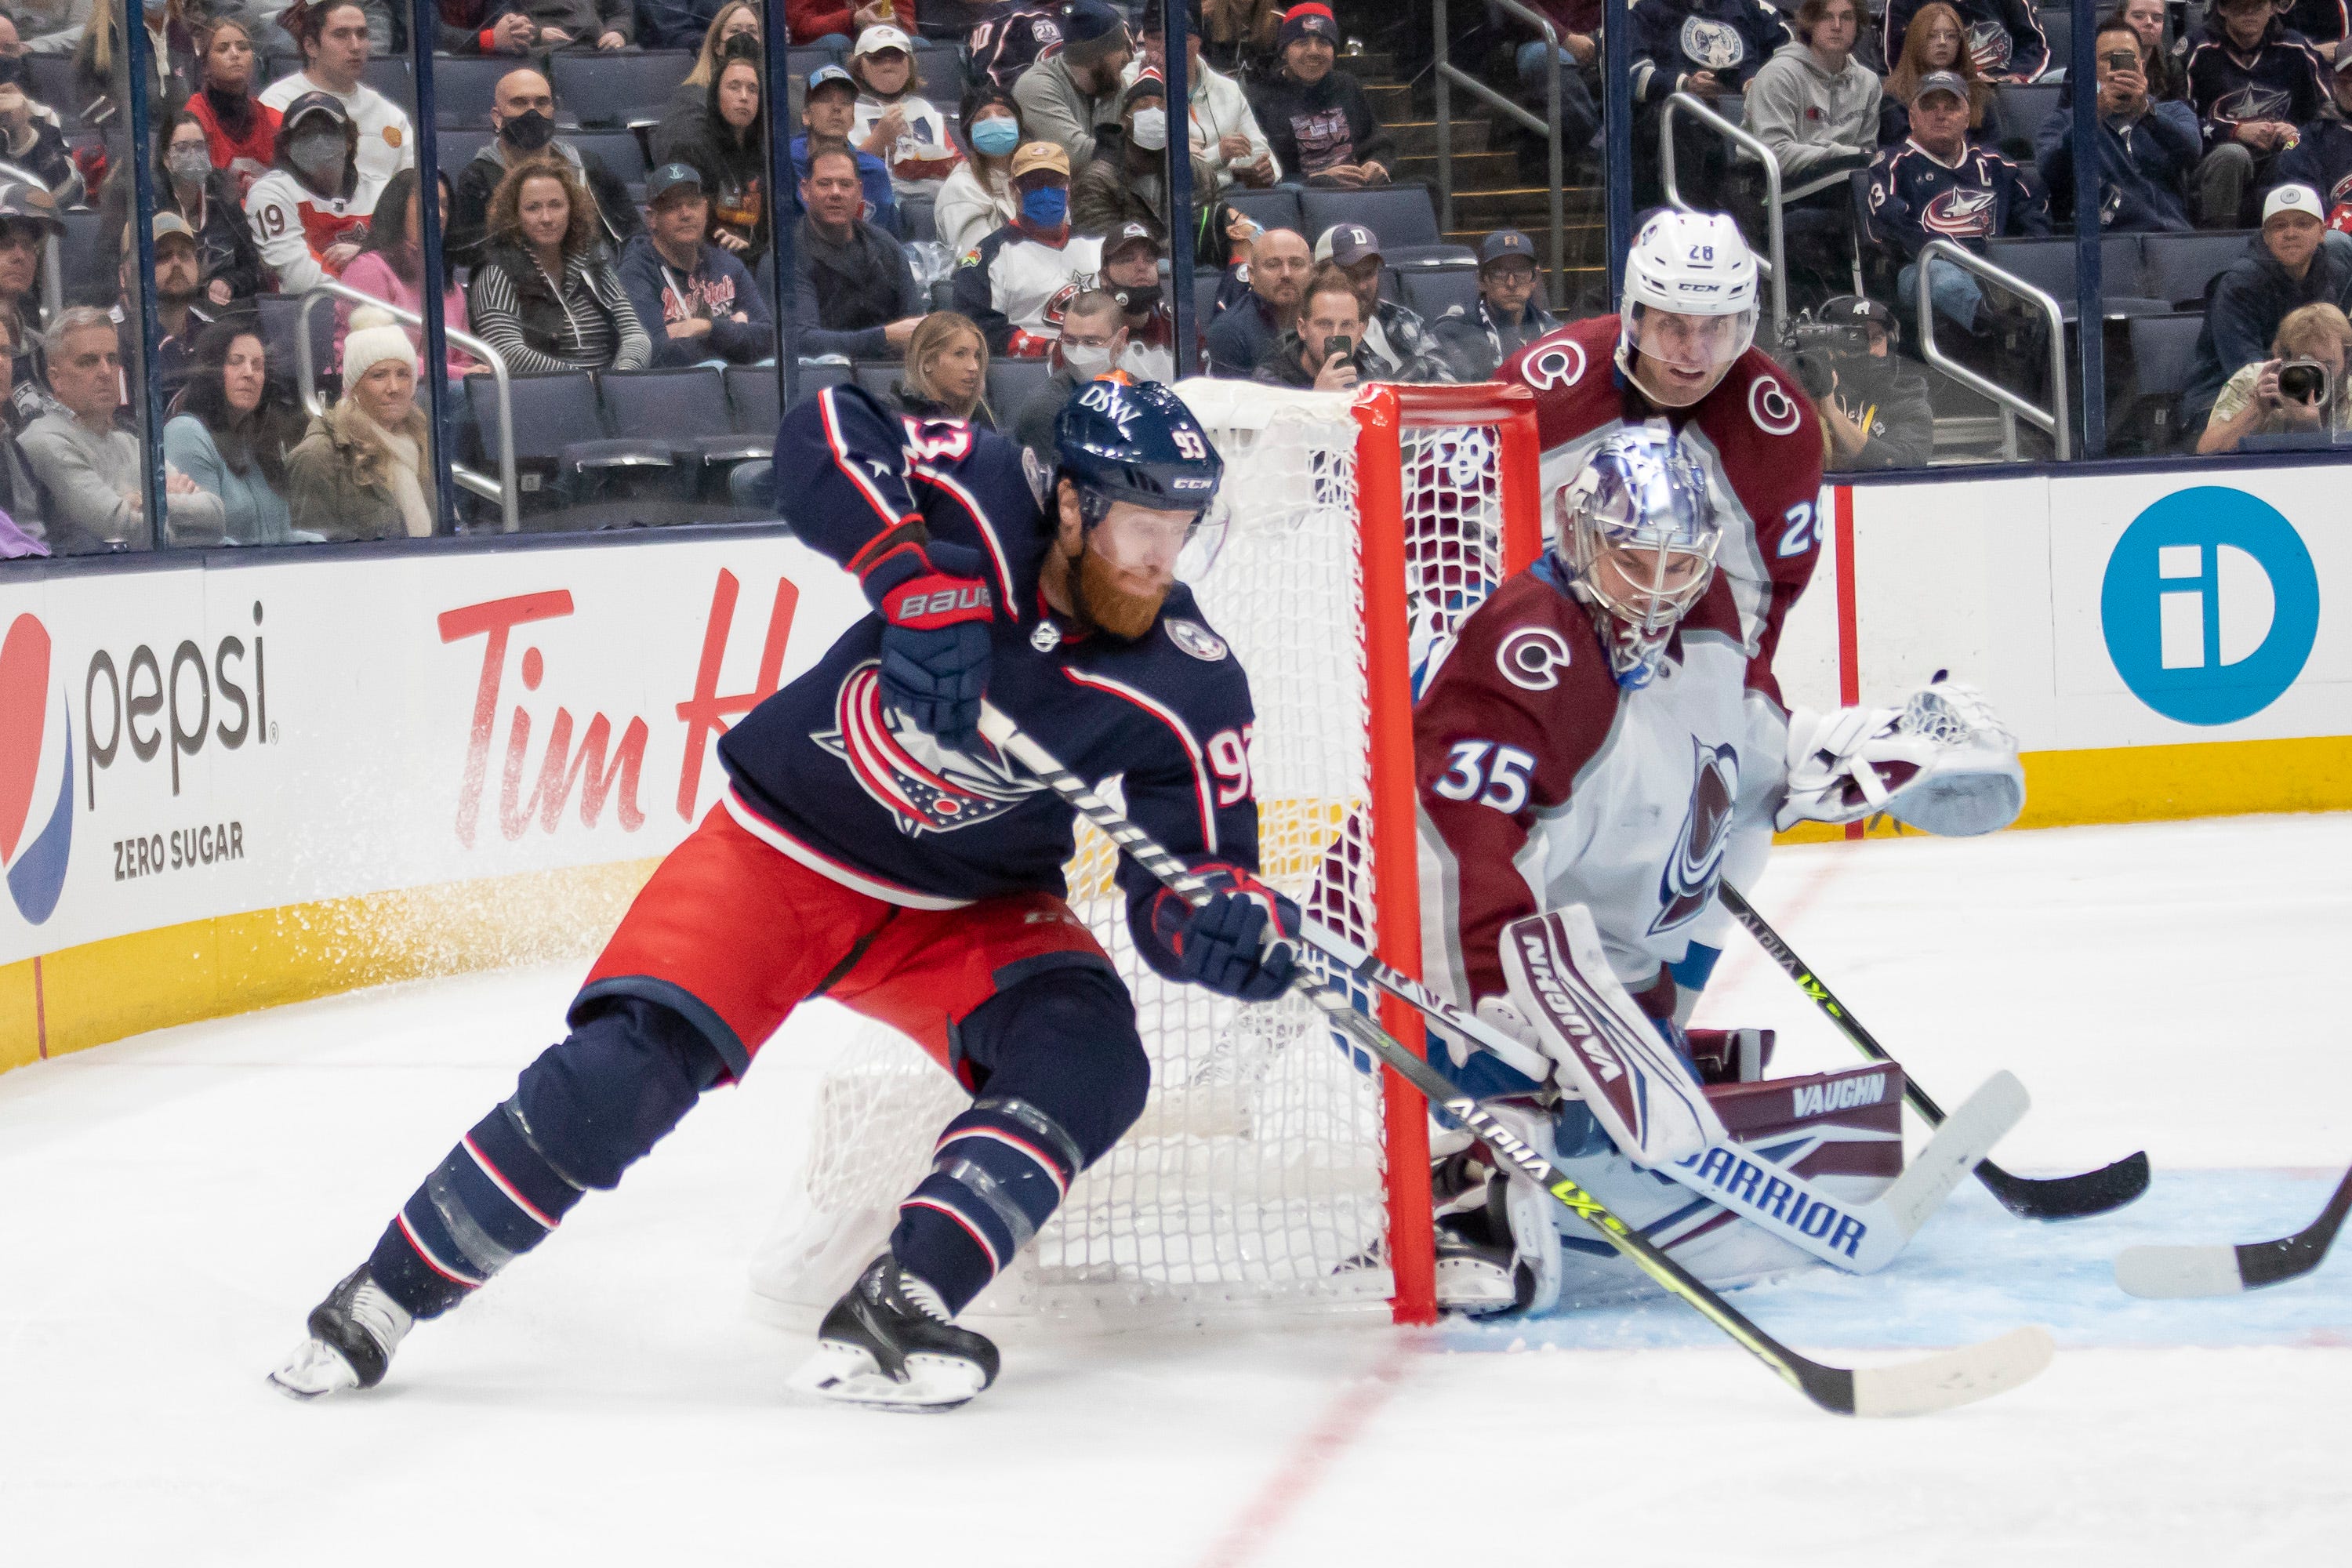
x,y
35,857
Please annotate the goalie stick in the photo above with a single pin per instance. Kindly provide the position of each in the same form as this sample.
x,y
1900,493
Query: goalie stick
x,y
1913,1388
2165,1271
2028,1197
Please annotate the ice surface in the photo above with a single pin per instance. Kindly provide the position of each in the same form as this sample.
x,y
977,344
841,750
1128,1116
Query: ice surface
x,y
171,1205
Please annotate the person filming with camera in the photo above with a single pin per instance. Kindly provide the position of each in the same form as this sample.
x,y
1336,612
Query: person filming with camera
x,y
1874,404
2299,390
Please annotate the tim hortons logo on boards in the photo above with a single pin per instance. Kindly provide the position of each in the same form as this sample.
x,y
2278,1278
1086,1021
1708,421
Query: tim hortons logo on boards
x,y
599,769
1564,1011
1839,1094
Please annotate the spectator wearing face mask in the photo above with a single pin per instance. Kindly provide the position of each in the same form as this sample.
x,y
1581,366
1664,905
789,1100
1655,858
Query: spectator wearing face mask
x,y
1225,135
1131,275
977,198
1066,97
1093,337
893,122
1015,282
696,302
522,112
857,294
1127,181
829,113
334,37
310,211
228,263
1276,271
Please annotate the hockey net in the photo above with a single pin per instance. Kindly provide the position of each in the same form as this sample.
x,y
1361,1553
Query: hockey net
x,y
1269,1171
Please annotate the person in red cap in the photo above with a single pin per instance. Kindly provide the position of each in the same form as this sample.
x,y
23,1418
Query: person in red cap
x,y
1316,118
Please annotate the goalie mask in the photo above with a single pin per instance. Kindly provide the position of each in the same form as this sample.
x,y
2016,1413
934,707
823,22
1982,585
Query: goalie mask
x,y
1690,306
1637,531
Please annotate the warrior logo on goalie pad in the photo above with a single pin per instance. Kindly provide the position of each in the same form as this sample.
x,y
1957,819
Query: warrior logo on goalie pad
x,y
1688,884
925,786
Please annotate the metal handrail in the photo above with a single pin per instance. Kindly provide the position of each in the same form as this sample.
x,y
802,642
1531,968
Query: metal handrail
x,y
2052,420
504,490
1449,75
1775,268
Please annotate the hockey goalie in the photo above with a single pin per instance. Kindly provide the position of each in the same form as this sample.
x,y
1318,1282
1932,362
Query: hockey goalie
x,y
1592,759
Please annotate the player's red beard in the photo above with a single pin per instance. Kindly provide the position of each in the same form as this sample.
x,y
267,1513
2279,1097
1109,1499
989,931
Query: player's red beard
x,y
1096,593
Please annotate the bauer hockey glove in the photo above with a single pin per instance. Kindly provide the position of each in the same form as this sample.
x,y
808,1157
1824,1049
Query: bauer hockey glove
x,y
935,609
1223,944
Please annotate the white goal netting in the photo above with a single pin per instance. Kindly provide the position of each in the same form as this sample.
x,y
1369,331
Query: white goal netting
x,y
1257,1179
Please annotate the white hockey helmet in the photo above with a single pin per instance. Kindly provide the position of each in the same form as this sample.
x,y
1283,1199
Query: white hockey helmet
x,y
1638,531
1690,304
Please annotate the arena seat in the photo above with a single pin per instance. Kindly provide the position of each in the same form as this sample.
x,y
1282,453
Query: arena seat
x,y
618,88
559,427
1011,382
1277,208
940,69
1432,293
2049,264
876,376
686,407
464,87
51,81
920,215
752,401
2023,107
2163,352
453,150
2179,268
1401,214
621,151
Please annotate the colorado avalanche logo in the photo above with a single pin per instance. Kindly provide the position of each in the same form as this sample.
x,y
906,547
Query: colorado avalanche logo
x,y
1688,882
2253,101
926,787
1990,45
1712,45
1959,213
1556,365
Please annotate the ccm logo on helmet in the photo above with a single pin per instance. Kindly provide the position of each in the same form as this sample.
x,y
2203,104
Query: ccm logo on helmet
x,y
1774,411
1561,364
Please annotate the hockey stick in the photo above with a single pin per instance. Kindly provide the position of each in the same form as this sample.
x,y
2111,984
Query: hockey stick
x,y
1914,1388
2162,1271
2030,1197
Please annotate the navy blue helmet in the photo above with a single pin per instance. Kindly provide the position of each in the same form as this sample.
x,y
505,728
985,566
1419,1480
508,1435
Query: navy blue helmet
x,y
1122,441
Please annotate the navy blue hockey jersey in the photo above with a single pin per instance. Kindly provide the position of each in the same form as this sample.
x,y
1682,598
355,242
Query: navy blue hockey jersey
x,y
1913,198
2004,36
833,779
1673,38
2322,159
2283,79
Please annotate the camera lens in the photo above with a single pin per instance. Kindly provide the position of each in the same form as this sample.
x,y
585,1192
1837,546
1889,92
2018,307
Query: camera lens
x,y
2303,383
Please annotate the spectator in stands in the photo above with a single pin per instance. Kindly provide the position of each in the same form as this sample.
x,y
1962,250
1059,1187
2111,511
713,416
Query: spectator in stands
x,y
2288,267
893,122
2167,83
93,471
1127,181
2251,82
28,219
1007,43
1576,61
21,496
2309,353
1934,44
334,40
240,130
1326,350
2319,23
1935,186
584,24
727,143
831,24
1131,275
1318,121
522,112
829,113
1094,336
1241,335
1068,96
486,28
50,26
1397,344
2322,155
2005,40
946,371
696,302
227,439
2146,148
227,261
1816,106
1225,135
391,267
1873,402
857,294
1703,48
1014,283
735,19
361,471
1477,338
310,211
978,198
102,65
545,294
32,144
180,315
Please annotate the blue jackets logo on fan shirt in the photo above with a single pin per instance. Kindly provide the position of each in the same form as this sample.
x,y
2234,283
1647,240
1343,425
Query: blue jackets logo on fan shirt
x,y
35,858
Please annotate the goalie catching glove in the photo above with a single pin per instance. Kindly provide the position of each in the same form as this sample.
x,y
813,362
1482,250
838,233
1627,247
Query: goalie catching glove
x,y
1942,764
1240,943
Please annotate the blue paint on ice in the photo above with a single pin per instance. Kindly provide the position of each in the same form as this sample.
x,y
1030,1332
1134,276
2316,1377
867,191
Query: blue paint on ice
x,y
1976,1271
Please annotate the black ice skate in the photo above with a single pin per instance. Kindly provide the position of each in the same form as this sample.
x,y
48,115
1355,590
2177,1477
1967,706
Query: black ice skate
x,y
888,1343
353,1335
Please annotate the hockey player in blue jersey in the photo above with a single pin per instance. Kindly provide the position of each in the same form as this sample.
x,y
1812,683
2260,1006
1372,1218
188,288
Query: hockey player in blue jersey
x,y
873,850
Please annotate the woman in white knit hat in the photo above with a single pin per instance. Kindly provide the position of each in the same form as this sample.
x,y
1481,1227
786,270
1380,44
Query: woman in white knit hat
x,y
361,471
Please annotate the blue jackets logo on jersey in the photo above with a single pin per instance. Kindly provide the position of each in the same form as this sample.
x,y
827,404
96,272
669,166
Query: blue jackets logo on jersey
x,y
1688,884
1960,213
1990,44
1713,45
925,786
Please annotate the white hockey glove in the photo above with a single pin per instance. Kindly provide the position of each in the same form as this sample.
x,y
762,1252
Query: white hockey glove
x,y
1941,763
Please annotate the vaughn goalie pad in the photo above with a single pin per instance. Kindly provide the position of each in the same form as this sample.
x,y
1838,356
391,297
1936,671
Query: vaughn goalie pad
x,y
1647,1101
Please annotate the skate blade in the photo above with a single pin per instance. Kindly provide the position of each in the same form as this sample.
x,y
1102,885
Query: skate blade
x,y
850,1375
1474,1287
315,1369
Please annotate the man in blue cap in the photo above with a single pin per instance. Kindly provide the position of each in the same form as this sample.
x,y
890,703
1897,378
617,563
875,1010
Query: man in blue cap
x,y
1505,319
827,113
698,302
1066,97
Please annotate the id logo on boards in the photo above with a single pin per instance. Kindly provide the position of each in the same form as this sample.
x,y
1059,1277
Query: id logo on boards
x,y
2210,606
35,858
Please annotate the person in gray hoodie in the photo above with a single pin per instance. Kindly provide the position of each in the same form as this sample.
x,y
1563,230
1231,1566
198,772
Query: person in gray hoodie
x,y
1816,106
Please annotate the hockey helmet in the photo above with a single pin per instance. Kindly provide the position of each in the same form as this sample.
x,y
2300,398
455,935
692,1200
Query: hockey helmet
x,y
1637,530
1690,301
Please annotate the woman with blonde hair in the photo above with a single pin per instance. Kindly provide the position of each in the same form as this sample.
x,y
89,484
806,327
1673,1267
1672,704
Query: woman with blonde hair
x,y
545,294
946,371
1937,40
363,470
2299,389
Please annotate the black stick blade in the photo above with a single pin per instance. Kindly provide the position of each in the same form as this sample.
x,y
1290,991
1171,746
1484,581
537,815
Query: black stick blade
x,y
2067,1197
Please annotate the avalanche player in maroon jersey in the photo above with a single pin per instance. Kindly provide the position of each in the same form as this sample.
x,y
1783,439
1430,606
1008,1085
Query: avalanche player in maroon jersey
x,y
873,850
